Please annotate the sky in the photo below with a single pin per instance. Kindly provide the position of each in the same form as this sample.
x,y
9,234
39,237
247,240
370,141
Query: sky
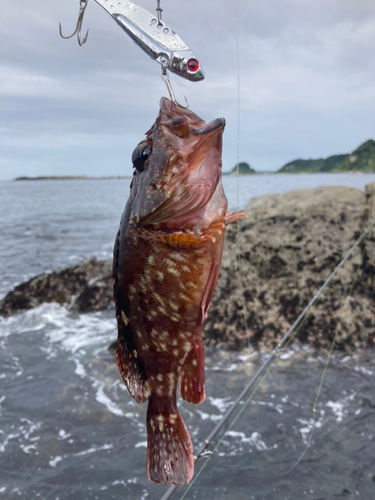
x,y
307,82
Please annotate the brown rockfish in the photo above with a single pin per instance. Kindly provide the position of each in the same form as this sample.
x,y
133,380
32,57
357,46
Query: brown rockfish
x,y
166,264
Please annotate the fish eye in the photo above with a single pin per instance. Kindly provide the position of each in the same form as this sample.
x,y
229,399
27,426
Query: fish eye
x,y
140,155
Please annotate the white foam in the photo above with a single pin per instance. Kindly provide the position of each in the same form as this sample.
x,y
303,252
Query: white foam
x,y
7,438
338,409
115,483
63,435
70,332
108,403
363,370
221,403
346,359
206,416
94,449
141,444
54,461
287,354
309,424
28,449
80,369
19,323
79,333
33,426
254,440
231,368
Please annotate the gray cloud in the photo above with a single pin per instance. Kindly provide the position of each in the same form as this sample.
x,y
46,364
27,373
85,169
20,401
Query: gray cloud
x,y
306,79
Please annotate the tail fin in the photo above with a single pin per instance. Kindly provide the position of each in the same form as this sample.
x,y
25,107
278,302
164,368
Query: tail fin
x,y
169,448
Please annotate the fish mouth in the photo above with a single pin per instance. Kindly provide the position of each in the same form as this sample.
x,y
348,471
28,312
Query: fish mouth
x,y
193,153
190,136
218,123
183,122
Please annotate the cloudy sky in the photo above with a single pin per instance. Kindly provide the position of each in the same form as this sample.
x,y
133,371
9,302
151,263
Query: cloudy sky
x,y
307,80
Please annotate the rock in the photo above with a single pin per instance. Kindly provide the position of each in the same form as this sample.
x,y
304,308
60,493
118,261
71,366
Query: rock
x,y
289,245
85,287
370,200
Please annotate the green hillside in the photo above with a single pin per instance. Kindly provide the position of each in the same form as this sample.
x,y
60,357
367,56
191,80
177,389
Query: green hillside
x,y
332,163
298,166
360,160
243,169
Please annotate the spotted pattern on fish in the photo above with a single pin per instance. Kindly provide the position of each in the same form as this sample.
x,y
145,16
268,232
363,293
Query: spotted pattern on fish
x,y
165,267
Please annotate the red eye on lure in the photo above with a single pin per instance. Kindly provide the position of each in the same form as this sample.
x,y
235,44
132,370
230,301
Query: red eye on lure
x,y
193,65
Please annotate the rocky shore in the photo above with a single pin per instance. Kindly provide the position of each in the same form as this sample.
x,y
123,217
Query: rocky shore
x,y
289,245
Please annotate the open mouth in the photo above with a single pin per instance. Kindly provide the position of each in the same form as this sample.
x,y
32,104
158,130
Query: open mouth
x,y
217,124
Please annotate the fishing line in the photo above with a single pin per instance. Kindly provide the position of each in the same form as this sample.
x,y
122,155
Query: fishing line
x,y
338,326
337,329
282,345
239,264
238,103
264,370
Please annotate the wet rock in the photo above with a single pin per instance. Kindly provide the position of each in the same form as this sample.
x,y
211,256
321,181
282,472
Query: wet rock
x,y
289,245
85,287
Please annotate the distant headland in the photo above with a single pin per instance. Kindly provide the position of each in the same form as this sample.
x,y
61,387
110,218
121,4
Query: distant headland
x,y
243,169
361,159
68,178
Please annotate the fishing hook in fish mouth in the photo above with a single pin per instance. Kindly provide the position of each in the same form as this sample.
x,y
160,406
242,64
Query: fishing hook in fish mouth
x,y
165,78
82,8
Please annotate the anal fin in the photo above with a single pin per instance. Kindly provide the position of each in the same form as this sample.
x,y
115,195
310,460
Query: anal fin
x,y
192,377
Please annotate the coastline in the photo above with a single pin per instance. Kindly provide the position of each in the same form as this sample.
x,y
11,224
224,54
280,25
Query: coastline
x,y
352,172
69,178
226,174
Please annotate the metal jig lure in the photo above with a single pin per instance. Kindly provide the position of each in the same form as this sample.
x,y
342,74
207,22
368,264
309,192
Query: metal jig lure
x,y
157,39
154,37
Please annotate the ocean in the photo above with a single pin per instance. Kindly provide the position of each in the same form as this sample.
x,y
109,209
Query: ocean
x,y
69,429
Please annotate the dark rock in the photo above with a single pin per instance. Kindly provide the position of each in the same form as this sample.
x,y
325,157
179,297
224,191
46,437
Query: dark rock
x,y
85,287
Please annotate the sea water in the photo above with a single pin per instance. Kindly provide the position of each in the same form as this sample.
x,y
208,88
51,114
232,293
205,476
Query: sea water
x,y
69,429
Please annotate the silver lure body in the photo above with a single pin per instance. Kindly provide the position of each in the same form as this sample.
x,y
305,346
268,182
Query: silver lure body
x,y
156,38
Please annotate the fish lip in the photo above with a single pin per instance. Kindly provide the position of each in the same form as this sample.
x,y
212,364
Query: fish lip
x,y
218,123
171,113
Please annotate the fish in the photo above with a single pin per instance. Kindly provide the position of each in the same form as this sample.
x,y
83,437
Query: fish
x,y
166,264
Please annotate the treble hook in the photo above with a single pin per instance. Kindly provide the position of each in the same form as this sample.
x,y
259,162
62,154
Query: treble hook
x,y
165,78
82,8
